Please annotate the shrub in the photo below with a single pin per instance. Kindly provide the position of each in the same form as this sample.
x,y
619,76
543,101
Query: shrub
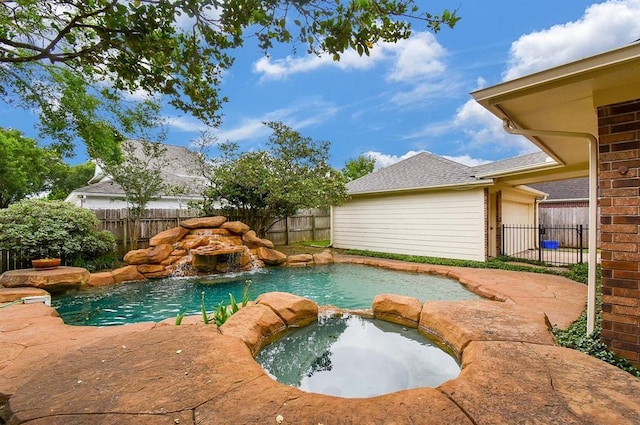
x,y
38,228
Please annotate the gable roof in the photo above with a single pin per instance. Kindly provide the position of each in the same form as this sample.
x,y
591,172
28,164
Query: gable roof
x,y
429,171
180,172
515,164
571,189
419,171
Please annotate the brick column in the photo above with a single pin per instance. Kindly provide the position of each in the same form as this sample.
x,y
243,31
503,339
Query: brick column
x,y
619,185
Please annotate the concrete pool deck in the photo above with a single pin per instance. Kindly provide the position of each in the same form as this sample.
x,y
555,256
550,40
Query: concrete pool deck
x,y
148,373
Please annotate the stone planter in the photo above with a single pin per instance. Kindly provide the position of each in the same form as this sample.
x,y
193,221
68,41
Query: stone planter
x,y
45,263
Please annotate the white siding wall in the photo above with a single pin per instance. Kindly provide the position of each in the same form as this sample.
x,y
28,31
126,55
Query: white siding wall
x,y
435,224
99,202
518,209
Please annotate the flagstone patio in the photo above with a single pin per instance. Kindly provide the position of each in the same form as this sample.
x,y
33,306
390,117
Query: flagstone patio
x,y
149,373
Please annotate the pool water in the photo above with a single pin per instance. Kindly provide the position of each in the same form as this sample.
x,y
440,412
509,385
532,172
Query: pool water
x,y
354,357
342,285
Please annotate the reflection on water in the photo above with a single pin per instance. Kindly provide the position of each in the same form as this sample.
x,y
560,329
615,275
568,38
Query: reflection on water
x,y
354,357
343,285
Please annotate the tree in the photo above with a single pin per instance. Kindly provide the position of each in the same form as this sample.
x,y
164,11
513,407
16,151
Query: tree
x,y
24,167
355,168
37,228
262,185
139,174
66,178
74,59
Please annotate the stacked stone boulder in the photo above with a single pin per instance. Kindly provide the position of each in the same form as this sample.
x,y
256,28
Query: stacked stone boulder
x,y
197,246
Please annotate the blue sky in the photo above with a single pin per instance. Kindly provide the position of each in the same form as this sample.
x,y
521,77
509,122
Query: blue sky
x,y
406,97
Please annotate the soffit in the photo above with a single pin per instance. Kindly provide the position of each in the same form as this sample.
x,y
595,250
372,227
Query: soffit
x,y
566,98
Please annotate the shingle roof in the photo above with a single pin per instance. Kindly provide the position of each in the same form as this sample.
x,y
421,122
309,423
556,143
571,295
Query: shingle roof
x,y
426,170
419,171
180,172
564,189
518,162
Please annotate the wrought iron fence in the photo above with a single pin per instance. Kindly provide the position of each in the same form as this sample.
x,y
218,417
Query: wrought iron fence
x,y
551,245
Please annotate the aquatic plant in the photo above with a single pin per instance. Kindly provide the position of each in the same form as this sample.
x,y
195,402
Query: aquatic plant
x,y
223,311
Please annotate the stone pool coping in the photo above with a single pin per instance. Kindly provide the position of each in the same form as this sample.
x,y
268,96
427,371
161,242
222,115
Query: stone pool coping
x,y
151,373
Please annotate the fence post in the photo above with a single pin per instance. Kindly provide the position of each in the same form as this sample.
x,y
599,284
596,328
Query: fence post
x,y
313,227
286,228
540,233
502,247
580,246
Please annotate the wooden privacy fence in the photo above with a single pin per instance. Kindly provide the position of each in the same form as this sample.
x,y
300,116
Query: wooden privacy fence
x,y
307,225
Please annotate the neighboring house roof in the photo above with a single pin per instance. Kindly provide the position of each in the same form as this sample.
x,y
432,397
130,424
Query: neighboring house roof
x,y
571,189
180,173
426,170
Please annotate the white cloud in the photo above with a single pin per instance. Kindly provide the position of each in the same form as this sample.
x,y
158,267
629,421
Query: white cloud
x,y
417,58
480,130
301,115
384,160
184,124
483,129
603,26
467,159
277,69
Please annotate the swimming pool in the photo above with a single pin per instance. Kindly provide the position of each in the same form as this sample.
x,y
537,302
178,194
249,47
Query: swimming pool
x,y
347,286
353,357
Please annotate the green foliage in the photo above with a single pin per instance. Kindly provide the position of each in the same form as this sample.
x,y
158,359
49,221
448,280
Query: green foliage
x,y
74,60
223,311
355,168
102,262
203,309
179,318
39,228
576,337
489,264
66,178
24,167
262,185
139,173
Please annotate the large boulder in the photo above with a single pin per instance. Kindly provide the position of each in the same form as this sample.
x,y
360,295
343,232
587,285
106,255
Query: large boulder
x,y
324,257
294,310
154,271
252,241
398,309
169,236
199,222
237,227
53,280
127,274
209,231
270,256
153,255
256,325
8,295
101,279
299,260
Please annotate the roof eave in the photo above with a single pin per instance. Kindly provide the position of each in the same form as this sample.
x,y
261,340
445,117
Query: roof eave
x,y
459,186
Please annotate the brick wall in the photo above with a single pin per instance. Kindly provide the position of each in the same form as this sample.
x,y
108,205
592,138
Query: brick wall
x,y
619,193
